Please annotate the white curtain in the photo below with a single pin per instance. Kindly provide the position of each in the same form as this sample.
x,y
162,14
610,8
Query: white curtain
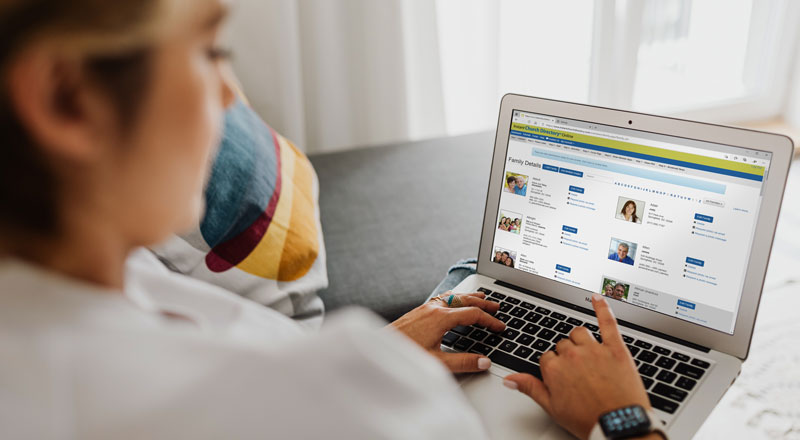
x,y
333,74
339,74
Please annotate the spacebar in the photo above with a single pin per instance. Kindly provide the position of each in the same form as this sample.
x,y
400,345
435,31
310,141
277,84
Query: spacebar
x,y
515,363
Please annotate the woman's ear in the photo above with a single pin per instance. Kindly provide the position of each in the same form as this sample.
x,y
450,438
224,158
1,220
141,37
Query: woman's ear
x,y
53,100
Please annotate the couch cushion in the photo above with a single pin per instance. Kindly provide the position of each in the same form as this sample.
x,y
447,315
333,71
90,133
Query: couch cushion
x,y
396,217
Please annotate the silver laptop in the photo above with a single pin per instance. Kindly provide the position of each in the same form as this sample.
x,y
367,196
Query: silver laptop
x,y
672,220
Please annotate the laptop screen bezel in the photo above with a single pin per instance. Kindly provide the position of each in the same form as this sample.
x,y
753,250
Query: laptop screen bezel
x,y
781,148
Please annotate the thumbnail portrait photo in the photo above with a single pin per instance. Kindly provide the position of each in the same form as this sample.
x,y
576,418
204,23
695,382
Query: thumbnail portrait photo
x,y
615,289
622,251
510,221
516,184
504,257
629,210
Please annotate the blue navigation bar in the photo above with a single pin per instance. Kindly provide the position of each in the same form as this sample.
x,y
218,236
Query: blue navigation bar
x,y
681,163
643,173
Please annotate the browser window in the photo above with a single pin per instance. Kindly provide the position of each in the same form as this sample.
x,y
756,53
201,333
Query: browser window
x,y
660,222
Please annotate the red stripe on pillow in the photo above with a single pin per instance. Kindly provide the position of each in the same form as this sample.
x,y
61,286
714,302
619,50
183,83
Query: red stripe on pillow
x,y
232,252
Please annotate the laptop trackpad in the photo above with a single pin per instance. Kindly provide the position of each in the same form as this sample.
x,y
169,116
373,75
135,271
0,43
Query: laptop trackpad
x,y
509,414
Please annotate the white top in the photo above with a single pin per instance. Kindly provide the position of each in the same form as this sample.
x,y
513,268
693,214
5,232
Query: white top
x,y
77,361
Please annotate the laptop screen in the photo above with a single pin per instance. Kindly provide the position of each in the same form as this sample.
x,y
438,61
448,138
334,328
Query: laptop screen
x,y
660,222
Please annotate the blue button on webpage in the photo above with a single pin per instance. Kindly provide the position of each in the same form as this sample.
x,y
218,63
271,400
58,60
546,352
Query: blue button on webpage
x,y
686,304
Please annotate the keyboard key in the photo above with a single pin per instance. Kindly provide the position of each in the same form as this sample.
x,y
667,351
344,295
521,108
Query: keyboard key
x,y
633,350
662,350
478,334
508,346
680,356
627,339
449,339
481,349
591,327
461,330
643,344
546,334
666,376
516,323
485,290
536,356
564,328
515,363
531,329
462,344
542,310
505,307
541,345
519,312
502,316
660,403
558,316
510,333
647,382
685,383
647,370
523,352
513,300
493,299
647,356
671,392
598,337
525,339
533,317
637,362
700,363
497,295
688,370
665,362
527,305
492,340
548,322
575,322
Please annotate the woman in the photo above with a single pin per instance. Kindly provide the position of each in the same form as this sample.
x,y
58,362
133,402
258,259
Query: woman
x,y
504,224
109,115
628,212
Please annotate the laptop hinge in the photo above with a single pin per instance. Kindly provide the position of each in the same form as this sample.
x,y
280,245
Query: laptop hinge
x,y
591,312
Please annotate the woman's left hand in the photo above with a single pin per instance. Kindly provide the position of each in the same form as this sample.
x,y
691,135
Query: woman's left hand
x,y
427,324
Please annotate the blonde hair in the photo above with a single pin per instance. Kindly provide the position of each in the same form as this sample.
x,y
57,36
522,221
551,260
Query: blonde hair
x,y
112,39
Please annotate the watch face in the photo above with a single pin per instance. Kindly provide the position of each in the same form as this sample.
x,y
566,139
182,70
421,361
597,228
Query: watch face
x,y
625,422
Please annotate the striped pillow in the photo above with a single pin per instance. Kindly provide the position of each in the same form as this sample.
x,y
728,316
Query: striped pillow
x,y
260,236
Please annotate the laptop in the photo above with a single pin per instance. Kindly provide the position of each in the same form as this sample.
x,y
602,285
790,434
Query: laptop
x,y
671,220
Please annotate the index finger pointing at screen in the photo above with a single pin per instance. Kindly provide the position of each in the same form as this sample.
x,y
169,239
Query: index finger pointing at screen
x,y
606,321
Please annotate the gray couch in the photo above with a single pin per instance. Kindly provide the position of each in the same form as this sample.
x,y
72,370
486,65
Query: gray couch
x,y
396,217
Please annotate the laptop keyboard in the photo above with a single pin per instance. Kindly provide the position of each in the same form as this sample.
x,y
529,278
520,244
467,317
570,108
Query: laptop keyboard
x,y
668,376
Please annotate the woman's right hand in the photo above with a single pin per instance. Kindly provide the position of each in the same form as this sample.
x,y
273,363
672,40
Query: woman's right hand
x,y
585,379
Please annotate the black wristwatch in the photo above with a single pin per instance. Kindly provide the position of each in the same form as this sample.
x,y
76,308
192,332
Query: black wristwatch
x,y
627,422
